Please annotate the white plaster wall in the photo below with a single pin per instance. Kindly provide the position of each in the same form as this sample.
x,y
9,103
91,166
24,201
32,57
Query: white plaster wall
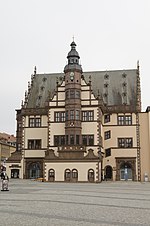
x,y
61,167
36,133
34,153
119,132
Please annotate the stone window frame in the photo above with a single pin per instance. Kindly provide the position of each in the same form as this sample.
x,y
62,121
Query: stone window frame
x,y
106,118
59,116
124,120
86,139
107,152
34,144
34,122
59,140
107,135
125,142
88,116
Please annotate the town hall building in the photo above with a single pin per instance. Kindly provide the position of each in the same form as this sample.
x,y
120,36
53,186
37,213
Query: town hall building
x,y
81,126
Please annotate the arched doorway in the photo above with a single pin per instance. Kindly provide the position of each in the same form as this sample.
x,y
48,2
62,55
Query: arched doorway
x,y
14,173
126,171
74,175
91,175
108,173
67,175
51,175
34,170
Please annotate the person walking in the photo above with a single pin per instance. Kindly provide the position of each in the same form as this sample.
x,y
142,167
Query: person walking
x,y
5,180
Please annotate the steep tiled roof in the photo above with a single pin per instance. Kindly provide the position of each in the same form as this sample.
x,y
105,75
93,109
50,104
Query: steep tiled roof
x,y
116,87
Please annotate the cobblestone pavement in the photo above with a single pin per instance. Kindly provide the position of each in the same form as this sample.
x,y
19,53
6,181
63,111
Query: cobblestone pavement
x,y
63,204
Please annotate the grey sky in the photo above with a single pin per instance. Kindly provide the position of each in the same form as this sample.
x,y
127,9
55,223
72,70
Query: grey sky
x,y
110,34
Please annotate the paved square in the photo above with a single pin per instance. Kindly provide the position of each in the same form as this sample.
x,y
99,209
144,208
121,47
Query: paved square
x,y
63,204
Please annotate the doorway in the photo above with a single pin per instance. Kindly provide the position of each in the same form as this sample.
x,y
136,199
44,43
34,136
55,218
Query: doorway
x,y
34,170
126,172
108,173
15,173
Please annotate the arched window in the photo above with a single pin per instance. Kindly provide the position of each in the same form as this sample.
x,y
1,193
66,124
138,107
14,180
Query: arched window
x,y
67,175
74,175
51,175
91,175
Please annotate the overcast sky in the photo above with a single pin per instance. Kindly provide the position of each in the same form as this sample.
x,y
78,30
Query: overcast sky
x,y
110,35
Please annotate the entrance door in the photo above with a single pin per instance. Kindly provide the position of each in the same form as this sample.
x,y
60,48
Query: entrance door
x,y
125,172
34,171
108,173
15,173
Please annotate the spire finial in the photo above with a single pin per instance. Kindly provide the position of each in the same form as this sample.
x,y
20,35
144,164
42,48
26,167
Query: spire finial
x,y
35,70
73,38
138,65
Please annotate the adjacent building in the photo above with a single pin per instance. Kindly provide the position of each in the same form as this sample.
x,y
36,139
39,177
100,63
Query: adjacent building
x,y
82,126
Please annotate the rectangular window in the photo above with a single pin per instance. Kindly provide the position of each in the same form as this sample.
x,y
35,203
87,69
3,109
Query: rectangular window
x,y
59,116
66,115
84,139
37,144
125,142
91,116
72,139
77,94
120,120
63,116
77,115
124,120
88,140
62,140
77,139
84,116
128,119
34,122
129,142
37,122
91,139
107,135
106,118
34,144
71,114
56,140
87,116
107,152
30,144
31,122
72,94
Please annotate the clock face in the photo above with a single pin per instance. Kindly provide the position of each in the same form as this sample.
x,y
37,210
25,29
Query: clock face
x,y
71,76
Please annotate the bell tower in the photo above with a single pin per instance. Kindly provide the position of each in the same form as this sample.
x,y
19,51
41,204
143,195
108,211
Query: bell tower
x,y
73,72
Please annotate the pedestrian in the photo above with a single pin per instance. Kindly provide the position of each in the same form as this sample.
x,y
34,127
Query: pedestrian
x,y
5,180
